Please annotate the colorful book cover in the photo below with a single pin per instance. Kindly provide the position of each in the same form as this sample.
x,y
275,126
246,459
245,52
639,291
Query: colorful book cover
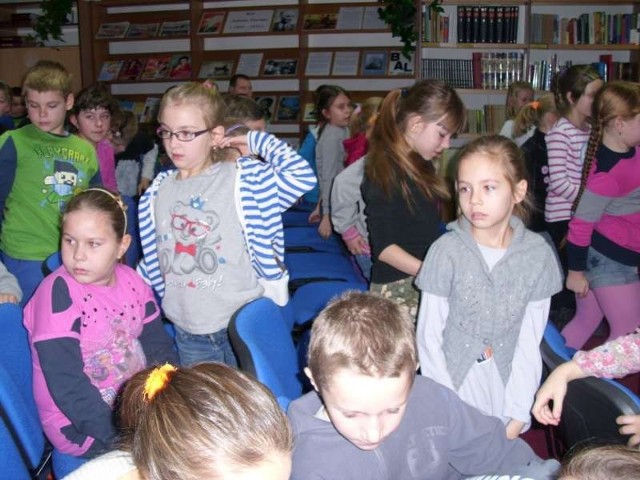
x,y
288,109
143,30
216,69
110,70
180,28
150,110
131,69
211,23
314,21
112,30
157,68
180,67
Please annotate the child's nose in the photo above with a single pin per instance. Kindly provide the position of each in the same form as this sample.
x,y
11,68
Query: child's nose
x,y
374,430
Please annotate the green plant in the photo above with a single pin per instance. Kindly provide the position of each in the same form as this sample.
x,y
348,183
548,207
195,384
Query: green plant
x,y
400,15
49,23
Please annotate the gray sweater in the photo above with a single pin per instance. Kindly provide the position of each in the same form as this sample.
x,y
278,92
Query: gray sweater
x,y
329,161
439,438
486,308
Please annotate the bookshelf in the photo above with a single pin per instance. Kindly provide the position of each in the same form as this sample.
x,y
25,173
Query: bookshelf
x,y
287,48
459,45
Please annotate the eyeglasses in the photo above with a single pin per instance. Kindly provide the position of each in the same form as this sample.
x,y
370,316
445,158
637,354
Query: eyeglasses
x,y
182,135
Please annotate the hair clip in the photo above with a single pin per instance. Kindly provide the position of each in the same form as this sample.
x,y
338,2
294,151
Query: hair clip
x,y
234,127
535,104
157,380
404,92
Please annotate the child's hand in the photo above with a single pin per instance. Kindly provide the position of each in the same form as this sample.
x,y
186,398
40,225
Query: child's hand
x,y
555,389
143,185
8,298
514,427
315,217
630,426
240,142
578,283
357,245
325,229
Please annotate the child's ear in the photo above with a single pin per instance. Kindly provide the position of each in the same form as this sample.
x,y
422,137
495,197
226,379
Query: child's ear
x,y
309,375
124,245
520,191
68,103
217,134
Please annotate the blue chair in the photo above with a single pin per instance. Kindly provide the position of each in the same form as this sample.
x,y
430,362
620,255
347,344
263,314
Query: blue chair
x,y
264,348
15,358
307,239
310,299
296,218
591,404
319,266
51,263
17,391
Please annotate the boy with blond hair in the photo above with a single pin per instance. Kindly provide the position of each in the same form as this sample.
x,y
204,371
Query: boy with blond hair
x,y
372,417
42,167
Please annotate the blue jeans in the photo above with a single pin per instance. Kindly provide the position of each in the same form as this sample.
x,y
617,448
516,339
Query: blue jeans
x,y
211,347
27,272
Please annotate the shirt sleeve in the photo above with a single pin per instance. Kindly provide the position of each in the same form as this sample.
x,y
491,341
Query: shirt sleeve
x,y
526,367
613,359
293,174
345,196
8,165
432,318
558,145
329,159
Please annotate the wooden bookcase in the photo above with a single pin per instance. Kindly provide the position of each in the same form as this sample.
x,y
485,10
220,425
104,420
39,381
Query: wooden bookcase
x,y
534,46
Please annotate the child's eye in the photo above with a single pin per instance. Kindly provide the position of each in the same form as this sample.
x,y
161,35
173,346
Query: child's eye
x,y
463,189
490,188
94,244
349,415
393,411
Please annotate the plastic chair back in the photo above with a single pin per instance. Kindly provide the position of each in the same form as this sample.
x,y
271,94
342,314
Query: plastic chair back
x,y
264,348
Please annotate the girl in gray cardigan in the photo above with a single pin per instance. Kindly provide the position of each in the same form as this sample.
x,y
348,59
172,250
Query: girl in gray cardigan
x,y
486,289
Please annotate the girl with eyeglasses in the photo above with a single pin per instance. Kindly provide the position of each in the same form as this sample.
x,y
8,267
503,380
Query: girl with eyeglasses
x,y
211,229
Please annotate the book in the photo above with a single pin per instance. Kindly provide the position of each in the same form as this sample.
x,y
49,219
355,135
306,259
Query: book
x,y
310,114
280,67
157,68
316,21
216,69
285,20
180,67
288,108
143,30
112,30
150,110
131,69
242,22
268,105
110,70
180,28
374,63
211,22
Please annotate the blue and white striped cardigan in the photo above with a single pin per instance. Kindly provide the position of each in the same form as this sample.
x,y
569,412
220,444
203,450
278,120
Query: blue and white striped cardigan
x,y
264,189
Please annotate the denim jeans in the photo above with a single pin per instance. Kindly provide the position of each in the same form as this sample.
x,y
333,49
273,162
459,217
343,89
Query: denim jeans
x,y
211,347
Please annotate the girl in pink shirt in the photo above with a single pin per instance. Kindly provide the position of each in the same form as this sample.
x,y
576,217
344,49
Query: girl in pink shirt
x,y
92,324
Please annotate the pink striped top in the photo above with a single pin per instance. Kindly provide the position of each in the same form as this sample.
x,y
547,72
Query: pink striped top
x,y
565,146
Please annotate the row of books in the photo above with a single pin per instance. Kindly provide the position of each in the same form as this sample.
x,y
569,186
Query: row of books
x,y
488,119
486,70
249,21
596,28
174,66
435,26
125,29
487,24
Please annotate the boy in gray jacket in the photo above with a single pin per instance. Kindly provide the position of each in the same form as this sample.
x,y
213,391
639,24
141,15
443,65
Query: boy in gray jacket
x,y
372,417
9,289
